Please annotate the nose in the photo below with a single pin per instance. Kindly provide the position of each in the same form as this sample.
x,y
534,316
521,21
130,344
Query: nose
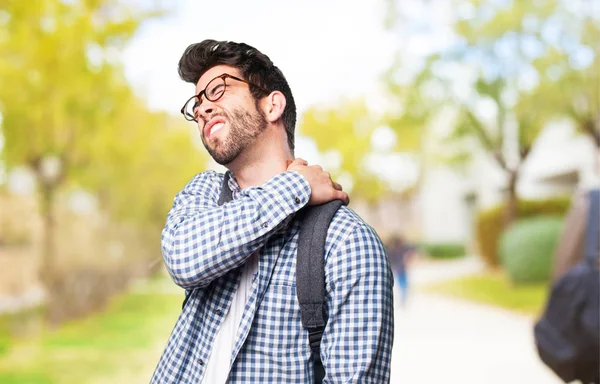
x,y
205,109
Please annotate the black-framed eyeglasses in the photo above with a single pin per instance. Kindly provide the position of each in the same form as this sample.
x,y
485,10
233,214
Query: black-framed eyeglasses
x,y
213,91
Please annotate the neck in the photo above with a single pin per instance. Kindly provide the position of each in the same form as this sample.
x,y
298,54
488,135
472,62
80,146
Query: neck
x,y
264,159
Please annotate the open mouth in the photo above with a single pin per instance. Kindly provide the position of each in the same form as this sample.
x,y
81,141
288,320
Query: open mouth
x,y
213,126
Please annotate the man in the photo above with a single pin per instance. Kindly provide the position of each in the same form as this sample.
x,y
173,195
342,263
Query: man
x,y
241,322
400,254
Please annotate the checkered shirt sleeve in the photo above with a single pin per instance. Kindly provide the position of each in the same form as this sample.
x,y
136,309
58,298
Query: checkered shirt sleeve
x,y
202,241
357,341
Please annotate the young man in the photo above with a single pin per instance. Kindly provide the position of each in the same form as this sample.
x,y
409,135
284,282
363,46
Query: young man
x,y
241,322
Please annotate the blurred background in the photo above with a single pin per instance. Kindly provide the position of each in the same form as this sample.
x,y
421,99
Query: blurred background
x,y
464,126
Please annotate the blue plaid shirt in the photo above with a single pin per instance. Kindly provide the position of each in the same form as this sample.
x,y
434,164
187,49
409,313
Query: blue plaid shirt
x,y
204,245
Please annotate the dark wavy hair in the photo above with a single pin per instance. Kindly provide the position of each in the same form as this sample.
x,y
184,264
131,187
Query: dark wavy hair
x,y
255,67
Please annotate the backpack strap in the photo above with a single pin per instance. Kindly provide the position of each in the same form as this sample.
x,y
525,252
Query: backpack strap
x,y
310,275
592,235
225,197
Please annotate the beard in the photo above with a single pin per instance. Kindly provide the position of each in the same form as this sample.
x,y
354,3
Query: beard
x,y
244,127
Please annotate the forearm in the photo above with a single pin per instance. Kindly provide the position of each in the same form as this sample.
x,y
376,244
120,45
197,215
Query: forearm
x,y
202,242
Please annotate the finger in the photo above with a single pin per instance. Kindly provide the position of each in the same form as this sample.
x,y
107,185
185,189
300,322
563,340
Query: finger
x,y
337,186
343,196
300,161
296,163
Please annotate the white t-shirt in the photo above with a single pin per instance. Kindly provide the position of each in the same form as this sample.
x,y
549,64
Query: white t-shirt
x,y
217,367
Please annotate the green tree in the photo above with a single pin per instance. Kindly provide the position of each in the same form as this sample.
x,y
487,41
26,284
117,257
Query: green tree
x,y
556,44
345,130
491,135
532,61
413,107
137,170
62,89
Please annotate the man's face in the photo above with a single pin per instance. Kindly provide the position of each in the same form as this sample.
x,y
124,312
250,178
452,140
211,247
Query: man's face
x,y
230,124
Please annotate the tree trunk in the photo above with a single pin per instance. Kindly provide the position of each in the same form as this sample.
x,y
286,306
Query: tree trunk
x,y
47,265
48,271
512,201
593,130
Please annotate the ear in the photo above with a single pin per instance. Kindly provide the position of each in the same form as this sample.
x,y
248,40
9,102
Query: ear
x,y
273,106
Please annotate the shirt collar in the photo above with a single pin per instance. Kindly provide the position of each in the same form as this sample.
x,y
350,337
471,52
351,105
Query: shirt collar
x,y
233,185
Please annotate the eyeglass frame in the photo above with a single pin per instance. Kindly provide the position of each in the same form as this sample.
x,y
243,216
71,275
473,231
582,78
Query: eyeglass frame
x,y
203,92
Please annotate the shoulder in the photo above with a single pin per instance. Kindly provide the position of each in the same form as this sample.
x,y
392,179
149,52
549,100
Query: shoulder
x,y
205,184
346,224
353,242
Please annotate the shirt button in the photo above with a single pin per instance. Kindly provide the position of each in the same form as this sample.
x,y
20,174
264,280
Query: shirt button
x,y
297,200
266,225
219,312
200,361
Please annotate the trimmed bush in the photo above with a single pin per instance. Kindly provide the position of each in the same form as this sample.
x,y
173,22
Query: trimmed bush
x,y
444,250
527,248
489,223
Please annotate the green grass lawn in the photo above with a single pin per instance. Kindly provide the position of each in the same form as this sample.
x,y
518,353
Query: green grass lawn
x,y
495,289
121,344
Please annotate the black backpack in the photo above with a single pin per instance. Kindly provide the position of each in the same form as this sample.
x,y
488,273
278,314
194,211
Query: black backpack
x,y
310,271
567,335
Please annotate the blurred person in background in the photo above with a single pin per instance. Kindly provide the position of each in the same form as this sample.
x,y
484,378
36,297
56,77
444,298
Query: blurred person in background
x,y
570,246
567,334
569,249
241,319
400,254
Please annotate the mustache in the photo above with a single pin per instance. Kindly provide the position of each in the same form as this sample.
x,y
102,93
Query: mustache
x,y
212,115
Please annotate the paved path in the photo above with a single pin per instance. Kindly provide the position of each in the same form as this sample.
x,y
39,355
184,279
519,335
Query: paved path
x,y
427,272
440,339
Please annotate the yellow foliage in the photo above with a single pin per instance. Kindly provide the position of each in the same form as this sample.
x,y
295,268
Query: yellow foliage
x,y
64,96
346,128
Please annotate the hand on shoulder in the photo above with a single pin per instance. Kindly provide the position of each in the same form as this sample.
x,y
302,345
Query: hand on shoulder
x,y
323,189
